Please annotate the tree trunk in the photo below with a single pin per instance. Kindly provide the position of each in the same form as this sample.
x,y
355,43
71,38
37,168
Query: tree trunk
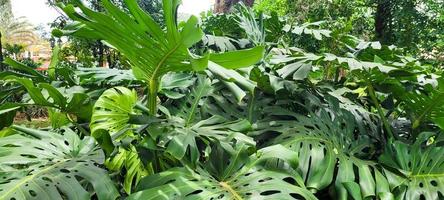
x,y
1,54
224,6
101,55
383,20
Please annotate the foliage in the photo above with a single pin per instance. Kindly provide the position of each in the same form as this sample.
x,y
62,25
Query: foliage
x,y
242,177
243,105
51,165
419,172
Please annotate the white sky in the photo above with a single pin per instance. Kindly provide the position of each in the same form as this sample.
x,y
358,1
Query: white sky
x,y
38,12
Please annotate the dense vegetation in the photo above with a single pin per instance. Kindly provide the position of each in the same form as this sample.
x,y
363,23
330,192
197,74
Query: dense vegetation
x,y
242,105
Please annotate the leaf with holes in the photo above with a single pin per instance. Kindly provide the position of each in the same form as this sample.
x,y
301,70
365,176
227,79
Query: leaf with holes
x,y
330,150
44,165
229,175
182,132
415,171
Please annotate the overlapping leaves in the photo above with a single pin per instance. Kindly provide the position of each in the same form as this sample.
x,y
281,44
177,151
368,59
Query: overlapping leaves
x,y
329,150
46,165
229,175
415,171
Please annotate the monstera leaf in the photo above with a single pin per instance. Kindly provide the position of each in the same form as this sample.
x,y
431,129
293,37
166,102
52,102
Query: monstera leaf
x,y
229,175
21,70
105,76
151,51
425,106
128,159
188,125
329,149
112,110
67,100
109,125
415,171
137,32
44,165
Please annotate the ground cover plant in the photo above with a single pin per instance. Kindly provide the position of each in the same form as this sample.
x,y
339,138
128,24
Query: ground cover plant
x,y
238,106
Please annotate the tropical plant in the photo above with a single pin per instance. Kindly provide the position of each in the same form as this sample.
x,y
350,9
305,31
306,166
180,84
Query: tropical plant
x,y
233,175
171,55
45,165
251,106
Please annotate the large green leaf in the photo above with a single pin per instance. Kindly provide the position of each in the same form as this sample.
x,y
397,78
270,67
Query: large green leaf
x,y
238,59
137,32
110,123
424,105
23,70
229,175
187,126
66,100
112,110
45,165
329,150
104,76
415,171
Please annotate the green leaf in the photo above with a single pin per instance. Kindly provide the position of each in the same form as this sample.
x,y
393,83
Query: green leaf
x,y
300,70
58,119
425,106
415,171
51,165
172,84
110,122
234,81
105,76
67,100
34,92
137,32
187,126
25,69
112,110
238,59
130,160
233,175
7,114
329,150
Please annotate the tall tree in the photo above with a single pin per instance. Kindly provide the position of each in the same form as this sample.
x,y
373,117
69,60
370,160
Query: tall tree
x,y
5,13
223,6
14,30
383,21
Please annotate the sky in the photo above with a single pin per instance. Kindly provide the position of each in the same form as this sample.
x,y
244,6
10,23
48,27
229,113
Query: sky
x,y
39,13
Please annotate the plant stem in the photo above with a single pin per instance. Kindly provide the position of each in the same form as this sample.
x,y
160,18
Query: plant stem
x,y
372,94
152,96
251,104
